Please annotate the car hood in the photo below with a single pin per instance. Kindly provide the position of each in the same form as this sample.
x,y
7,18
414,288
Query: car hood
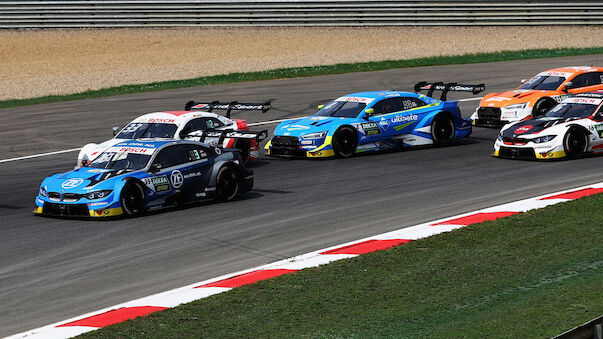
x,y
312,124
529,127
81,179
516,96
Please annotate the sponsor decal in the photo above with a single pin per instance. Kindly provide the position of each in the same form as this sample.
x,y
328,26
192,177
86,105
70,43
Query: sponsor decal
x,y
160,121
599,129
370,128
98,203
556,74
71,183
587,101
523,129
160,180
106,212
176,178
218,151
192,175
405,118
296,127
384,123
162,188
355,99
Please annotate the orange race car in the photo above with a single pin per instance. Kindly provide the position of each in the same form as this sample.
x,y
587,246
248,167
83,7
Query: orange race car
x,y
537,95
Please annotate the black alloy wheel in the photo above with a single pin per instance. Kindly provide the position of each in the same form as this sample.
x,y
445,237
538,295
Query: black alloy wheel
x,y
575,143
227,184
542,106
442,130
132,198
344,142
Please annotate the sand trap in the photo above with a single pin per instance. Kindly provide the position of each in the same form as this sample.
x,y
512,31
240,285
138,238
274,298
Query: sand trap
x,y
41,62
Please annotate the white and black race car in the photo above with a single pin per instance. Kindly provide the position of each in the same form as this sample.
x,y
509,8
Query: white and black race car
x,y
571,129
196,117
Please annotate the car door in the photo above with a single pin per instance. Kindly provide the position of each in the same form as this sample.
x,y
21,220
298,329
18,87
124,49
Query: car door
x,y
384,111
597,129
586,82
172,179
403,118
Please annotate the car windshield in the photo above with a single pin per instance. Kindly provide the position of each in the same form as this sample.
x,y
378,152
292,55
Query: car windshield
x,y
121,160
571,110
342,109
138,130
543,82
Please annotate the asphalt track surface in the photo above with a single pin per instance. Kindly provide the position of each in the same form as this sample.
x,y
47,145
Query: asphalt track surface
x,y
53,269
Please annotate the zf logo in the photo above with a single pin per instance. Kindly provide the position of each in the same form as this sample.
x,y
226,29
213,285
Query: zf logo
x,y
71,183
176,178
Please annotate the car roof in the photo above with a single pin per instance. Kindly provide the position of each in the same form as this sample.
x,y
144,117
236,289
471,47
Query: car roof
x,y
381,94
173,117
576,69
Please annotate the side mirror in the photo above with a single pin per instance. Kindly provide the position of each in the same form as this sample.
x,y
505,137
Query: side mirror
x,y
598,117
321,106
567,85
115,130
155,167
184,132
368,113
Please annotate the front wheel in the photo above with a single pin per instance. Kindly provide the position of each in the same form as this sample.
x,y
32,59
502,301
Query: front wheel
x,y
442,130
344,142
542,106
575,143
132,199
227,184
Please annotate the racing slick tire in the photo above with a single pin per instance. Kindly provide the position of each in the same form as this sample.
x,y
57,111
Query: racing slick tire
x,y
575,143
227,184
244,148
542,106
132,198
442,130
344,142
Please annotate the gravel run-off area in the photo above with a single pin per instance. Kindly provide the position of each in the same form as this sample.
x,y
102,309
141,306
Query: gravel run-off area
x,y
35,63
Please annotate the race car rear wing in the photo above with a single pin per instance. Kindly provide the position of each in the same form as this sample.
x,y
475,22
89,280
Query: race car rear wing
x,y
445,88
223,134
228,106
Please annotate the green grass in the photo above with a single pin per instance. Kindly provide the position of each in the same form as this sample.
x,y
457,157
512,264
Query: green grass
x,y
310,71
531,275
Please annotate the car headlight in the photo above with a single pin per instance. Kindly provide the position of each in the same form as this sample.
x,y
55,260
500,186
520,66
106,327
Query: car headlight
x,y
43,192
317,135
500,137
98,194
516,107
545,138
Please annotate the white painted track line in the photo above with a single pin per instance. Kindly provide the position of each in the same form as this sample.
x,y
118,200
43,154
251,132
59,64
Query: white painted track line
x,y
77,149
40,155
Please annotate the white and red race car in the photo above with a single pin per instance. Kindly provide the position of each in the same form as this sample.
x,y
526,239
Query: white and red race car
x,y
571,129
196,117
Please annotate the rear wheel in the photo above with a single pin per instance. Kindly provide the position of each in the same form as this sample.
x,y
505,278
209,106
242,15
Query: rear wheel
x,y
344,142
442,130
132,198
575,143
227,184
542,106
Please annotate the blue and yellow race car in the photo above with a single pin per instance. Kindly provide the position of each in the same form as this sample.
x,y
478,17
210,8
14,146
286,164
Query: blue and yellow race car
x,y
144,174
372,121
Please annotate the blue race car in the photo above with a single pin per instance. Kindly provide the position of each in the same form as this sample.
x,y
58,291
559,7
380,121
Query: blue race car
x,y
372,121
144,174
